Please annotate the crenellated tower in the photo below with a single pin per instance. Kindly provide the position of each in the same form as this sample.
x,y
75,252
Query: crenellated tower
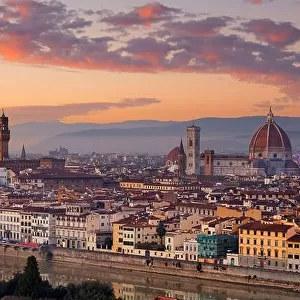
x,y
4,137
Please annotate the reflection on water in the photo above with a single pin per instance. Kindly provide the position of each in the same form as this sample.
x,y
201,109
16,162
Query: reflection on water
x,y
146,286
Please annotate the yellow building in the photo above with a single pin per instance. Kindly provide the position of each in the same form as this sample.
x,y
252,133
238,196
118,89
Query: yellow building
x,y
131,231
293,252
264,245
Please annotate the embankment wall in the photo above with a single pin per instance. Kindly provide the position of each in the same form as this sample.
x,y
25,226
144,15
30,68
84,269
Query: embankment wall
x,y
231,274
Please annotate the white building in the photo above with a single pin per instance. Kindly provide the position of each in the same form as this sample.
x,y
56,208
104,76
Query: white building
x,y
191,250
71,227
4,177
43,224
10,223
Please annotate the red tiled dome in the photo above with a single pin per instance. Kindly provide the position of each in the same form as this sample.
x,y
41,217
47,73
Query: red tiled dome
x,y
173,155
269,138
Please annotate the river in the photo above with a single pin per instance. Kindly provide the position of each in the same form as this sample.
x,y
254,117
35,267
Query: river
x,y
143,286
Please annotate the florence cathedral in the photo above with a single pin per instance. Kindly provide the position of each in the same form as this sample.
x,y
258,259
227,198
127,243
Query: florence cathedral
x,y
270,153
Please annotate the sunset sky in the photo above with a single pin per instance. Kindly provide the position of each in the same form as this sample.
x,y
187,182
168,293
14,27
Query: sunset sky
x,y
115,60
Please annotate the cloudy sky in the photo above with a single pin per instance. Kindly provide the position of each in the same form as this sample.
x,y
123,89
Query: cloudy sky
x,y
113,60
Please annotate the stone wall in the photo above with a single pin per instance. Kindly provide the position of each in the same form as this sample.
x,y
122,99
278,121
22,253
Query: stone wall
x,y
19,252
231,274
254,276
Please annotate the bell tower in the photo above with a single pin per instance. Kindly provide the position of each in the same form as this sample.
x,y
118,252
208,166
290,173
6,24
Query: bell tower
x,y
4,137
193,150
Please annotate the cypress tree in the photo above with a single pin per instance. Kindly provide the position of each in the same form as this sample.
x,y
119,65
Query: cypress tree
x,y
30,281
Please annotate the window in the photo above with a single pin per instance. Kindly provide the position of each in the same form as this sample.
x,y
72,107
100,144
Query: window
x,y
254,241
261,242
276,243
290,245
296,246
290,256
290,266
241,240
269,243
248,251
296,256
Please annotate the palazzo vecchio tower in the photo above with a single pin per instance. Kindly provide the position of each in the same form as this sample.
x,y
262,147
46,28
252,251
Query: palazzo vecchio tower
x,y
4,137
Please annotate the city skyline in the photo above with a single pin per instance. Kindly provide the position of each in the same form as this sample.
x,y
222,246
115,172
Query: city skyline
x,y
89,62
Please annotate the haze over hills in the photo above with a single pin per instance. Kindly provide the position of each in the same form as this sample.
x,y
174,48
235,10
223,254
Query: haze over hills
x,y
222,134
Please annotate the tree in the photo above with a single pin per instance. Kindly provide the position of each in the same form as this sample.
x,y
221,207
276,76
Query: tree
x,y
161,231
90,290
30,282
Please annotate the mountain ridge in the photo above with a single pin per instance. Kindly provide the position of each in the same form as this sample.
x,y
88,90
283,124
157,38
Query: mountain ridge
x,y
153,136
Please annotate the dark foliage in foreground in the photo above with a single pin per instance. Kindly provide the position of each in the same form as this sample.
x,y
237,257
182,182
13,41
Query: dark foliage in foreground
x,y
30,284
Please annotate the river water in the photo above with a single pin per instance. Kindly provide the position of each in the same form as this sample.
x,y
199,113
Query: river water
x,y
143,286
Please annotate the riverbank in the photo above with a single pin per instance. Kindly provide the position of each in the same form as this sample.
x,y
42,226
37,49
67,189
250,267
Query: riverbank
x,y
234,275
186,270
141,285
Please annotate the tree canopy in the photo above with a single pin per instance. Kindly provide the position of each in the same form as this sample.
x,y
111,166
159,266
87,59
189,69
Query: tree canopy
x,y
161,231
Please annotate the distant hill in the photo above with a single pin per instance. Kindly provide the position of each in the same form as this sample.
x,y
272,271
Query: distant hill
x,y
221,134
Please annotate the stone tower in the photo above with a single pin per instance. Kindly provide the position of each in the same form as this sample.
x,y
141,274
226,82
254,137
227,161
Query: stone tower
x,y
209,162
193,150
4,137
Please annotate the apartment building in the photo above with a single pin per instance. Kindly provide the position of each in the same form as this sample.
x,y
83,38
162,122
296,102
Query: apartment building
x,y
71,227
26,233
127,233
10,223
43,223
293,253
264,245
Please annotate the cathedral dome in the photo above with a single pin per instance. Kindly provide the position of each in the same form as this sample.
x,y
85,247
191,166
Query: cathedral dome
x,y
174,154
270,141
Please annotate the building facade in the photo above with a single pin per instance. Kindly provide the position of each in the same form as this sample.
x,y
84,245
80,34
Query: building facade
x,y
216,246
264,245
71,228
193,150
293,253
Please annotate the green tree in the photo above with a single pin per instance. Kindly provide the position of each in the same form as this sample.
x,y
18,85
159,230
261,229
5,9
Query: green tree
x,y
90,290
161,231
30,282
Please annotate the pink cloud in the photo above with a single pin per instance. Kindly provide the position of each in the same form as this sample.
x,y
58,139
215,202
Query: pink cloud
x,y
257,2
279,34
143,15
46,34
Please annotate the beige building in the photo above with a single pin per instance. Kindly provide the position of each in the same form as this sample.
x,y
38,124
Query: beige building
x,y
71,228
174,240
10,223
